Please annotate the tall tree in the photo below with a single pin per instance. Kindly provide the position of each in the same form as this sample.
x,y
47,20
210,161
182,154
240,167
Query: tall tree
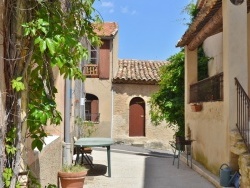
x,y
167,104
39,35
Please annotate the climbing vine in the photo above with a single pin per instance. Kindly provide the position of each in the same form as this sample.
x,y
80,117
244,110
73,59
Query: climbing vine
x,y
167,104
40,36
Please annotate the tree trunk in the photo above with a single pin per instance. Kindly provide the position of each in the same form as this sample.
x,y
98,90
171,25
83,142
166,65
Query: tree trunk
x,y
16,61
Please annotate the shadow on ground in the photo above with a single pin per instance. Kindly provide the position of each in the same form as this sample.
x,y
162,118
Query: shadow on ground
x,y
97,170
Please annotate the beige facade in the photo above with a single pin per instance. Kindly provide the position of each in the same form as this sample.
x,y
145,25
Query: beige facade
x,y
155,136
114,98
213,126
102,89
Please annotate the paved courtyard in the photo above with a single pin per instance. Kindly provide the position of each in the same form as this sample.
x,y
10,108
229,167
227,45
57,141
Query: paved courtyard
x,y
141,168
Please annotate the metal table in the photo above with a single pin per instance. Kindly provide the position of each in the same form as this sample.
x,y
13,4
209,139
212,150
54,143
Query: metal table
x,y
95,142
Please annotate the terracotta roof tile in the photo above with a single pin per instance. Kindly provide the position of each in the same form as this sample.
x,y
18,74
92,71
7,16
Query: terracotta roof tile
x,y
138,71
206,12
106,29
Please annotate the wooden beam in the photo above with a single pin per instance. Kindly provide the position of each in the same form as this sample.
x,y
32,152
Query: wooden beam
x,y
212,27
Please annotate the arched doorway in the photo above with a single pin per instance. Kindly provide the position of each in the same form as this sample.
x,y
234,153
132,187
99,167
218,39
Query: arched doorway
x,y
137,117
91,108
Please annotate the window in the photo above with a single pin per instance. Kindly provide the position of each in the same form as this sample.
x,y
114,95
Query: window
x,y
92,108
209,89
94,55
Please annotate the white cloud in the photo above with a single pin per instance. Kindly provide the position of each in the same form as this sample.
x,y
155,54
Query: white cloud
x,y
111,10
126,10
133,12
107,4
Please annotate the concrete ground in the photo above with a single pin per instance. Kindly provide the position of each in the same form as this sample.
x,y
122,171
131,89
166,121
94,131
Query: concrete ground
x,y
135,167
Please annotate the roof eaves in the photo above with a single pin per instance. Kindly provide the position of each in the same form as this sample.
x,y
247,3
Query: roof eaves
x,y
205,14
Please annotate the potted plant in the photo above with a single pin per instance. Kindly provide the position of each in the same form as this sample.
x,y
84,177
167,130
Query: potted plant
x,y
196,107
72,176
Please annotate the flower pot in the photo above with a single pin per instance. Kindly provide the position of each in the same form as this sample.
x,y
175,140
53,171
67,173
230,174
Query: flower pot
x,y
196,107
72,179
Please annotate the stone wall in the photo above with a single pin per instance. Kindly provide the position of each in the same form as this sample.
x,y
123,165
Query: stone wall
x,y
157,137
45,165
238,147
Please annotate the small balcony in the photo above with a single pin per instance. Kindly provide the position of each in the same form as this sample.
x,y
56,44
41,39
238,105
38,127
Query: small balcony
x,y
90,70
93,117
209,89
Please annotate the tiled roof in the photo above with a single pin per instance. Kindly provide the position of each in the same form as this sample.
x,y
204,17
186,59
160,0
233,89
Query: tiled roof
x,y
206,12
138,71
106,29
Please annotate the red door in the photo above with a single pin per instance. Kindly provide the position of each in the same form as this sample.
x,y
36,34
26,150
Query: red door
x,y
94,111
137,117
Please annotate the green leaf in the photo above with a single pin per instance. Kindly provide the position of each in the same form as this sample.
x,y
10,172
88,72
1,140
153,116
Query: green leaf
x,y
42,46
37,143
10,149
43,118
7,174
38,40
33,31
18,185
51,45
17,84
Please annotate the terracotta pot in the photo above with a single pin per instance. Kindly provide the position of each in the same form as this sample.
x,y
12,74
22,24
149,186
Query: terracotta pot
x,y
196,107
72,179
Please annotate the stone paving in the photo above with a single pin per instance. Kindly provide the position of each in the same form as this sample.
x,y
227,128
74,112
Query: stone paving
x,y
141,168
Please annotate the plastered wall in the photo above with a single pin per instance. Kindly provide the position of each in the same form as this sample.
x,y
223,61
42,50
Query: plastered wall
x,y
215,65
101,89
209,132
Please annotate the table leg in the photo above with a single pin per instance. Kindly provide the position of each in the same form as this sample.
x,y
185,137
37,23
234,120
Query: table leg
x,y
109,162
179,154
191,156
77,154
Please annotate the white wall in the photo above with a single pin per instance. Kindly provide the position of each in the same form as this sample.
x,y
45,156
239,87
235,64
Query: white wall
x,y
213,49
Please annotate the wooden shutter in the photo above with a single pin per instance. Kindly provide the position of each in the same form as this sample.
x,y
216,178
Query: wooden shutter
x,y
104,60
94,111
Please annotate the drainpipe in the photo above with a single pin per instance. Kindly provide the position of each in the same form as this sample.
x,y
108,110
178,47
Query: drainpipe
x,y
112,91
67,153
112,111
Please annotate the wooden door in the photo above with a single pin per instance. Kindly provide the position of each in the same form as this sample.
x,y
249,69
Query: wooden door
x,y
94,110
137,117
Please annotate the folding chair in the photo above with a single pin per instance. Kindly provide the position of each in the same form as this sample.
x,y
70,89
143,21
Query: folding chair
x,y
179,146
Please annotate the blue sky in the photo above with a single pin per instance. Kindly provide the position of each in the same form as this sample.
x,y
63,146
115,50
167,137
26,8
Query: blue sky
x,y
148,29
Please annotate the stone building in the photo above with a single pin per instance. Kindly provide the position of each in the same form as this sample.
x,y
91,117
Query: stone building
x,y
114,91
134,83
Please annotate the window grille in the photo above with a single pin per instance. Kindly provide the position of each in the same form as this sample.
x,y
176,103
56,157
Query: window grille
x,y
209,89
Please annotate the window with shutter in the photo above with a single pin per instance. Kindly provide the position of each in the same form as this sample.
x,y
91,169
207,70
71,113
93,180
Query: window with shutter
x,y
104,62
92,108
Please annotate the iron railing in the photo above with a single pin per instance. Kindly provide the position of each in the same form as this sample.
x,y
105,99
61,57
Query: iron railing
x,y
243,113
209,89
90,70
93,117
